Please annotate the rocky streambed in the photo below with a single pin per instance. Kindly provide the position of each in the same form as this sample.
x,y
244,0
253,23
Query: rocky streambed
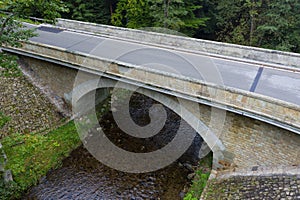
x,y
84,177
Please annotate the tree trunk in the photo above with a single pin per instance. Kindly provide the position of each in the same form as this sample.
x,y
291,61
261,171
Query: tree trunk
x,y
252,28
111,9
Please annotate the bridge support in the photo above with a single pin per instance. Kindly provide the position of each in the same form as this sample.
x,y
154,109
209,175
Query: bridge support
x,y
83,96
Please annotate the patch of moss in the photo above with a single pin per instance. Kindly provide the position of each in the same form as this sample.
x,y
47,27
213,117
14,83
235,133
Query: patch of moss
x,y
200,179
31,156
9,66
3,119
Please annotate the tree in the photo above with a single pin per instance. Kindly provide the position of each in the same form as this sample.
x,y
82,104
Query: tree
x,y
46,9
236,20
90,11
131,14
171,14
262,23
12,32
176,15
280,26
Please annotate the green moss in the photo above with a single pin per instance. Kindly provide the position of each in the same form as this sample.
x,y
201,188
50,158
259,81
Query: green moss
x,y
9,66
3,120
200,180
31,156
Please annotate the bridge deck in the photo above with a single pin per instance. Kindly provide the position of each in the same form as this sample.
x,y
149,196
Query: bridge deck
x,y
277,83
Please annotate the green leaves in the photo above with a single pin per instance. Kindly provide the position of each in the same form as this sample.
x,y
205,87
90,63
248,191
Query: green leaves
x,y
280,27
46,9
3,120
131,14
268,24
177,15
9,66
12,32
200,179
90,11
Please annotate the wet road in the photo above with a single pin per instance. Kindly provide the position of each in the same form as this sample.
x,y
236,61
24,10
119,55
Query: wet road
x,y
277,83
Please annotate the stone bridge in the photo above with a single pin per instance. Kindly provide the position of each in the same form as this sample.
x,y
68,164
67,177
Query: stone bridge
x,y
225,92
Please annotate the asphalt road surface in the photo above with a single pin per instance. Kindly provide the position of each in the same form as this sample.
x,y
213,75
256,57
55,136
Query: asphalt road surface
x,y
272,82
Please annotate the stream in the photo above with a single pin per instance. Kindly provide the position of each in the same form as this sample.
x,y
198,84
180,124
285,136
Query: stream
x,y
81,176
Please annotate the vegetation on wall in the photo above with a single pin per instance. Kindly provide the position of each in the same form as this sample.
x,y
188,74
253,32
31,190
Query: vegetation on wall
x,y
201,177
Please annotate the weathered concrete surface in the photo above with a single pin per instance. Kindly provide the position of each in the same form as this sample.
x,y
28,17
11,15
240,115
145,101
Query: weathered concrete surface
x,y
188,44
58,80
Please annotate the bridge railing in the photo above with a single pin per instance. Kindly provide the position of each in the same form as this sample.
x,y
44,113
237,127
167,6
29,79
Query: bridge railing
x,y
224,50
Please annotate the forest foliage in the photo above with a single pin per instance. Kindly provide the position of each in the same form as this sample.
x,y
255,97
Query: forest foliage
x,y
262,23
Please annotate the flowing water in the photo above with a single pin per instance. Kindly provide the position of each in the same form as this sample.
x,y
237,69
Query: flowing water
x,y
83,177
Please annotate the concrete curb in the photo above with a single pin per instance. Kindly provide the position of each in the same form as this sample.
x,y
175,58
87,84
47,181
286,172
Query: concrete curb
x,y
260,171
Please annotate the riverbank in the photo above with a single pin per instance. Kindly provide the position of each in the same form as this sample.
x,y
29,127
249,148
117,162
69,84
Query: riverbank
x,y
199,178
31,156
32,143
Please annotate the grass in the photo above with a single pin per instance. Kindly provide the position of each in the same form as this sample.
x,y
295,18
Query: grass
x,y
200,179
3,120
9,66
31,156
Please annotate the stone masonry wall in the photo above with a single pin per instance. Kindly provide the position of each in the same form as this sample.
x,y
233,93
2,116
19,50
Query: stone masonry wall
x,y
59,79
255,143
28,109
252,142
